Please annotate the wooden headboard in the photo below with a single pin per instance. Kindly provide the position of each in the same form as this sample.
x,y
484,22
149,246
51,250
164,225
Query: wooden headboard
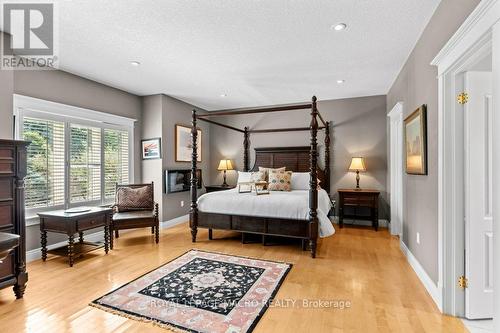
x,y
295,159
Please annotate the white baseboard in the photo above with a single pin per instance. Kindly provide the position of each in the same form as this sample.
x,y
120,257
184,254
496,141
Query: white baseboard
x,y
382,223
174,221
429,285
36,254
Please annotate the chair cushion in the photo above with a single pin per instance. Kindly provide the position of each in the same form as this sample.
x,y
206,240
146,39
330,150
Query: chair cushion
x,y
140,198
133,215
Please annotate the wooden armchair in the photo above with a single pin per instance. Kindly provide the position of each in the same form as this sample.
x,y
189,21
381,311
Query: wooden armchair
x,y
135,208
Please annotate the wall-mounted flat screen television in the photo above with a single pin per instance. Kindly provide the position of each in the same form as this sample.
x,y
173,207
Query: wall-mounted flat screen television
x,y
180,180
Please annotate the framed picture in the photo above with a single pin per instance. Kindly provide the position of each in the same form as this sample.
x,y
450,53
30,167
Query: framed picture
x,y
416,142
151,148
183,146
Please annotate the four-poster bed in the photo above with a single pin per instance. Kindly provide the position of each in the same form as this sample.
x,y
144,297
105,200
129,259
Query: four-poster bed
x,y
295,159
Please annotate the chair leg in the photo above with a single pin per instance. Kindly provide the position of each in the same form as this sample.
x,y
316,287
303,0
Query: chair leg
x,y
111,237
157,232
152,230
117,235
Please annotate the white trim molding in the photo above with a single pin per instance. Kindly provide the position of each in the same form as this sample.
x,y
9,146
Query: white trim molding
x,y
472,41
426,280
396,161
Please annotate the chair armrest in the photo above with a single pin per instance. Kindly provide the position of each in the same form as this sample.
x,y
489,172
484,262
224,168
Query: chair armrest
x,y
156,210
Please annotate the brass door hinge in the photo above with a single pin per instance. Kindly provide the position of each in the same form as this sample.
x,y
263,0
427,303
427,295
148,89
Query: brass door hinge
x,y
463,282
462,98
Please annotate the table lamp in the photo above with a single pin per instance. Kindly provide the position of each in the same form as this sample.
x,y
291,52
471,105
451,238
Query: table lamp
x,y
225,165
357,165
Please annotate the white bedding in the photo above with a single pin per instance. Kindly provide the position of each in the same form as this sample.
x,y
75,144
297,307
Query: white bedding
x,y
291,205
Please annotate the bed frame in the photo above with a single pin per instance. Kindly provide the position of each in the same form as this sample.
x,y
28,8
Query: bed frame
x,y
297,159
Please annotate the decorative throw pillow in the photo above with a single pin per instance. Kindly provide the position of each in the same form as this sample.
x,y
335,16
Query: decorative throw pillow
x,y
280,180
128,198
266,171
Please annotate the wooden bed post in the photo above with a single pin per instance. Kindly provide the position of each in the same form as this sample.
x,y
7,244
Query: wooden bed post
x,y
313,182
246,145
193,214
327,156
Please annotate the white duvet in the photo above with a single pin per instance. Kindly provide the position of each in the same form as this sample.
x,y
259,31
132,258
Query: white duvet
x,y
290,205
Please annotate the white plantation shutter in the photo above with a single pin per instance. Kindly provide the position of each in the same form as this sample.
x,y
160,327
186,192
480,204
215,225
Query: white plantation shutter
x,y
44,183
76,156
85,163
116,160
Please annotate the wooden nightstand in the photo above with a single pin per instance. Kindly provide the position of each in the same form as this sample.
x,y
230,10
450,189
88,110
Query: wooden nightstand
x,y
355,199
215,188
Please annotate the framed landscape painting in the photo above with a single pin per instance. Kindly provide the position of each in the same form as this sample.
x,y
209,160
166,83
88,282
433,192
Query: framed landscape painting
x,y
416,142
151,149
183,146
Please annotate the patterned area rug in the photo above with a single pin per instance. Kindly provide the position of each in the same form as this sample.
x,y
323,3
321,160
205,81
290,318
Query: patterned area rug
x,y
200,292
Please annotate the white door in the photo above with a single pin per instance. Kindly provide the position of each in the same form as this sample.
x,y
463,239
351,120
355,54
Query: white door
x,y
478,196
396,168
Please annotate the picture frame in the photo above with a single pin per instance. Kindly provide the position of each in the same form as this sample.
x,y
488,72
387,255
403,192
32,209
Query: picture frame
x,y
183,150
151,148
415,134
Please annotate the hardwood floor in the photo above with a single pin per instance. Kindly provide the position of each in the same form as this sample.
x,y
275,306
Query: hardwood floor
x,y
358,265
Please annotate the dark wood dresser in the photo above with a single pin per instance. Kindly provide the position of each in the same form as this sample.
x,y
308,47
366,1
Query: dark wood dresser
x,y
12,173
353,202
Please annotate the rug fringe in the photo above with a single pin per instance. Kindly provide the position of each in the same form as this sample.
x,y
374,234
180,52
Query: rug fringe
x,y
241,256
139,318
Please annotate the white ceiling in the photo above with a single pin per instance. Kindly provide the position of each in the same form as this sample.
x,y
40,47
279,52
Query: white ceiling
x,y
257,52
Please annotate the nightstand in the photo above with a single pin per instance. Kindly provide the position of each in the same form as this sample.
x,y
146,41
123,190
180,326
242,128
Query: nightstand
x,y
215,188
353,200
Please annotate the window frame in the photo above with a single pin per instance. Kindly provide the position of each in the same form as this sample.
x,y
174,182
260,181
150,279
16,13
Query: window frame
x,y
30,107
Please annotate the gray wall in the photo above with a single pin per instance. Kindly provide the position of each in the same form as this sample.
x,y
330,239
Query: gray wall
x,y
416,85
6,90
161,114
62,87
359,129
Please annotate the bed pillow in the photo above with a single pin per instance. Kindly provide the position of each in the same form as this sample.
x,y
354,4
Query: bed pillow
x,y
266,171
280,180
245,177
300,180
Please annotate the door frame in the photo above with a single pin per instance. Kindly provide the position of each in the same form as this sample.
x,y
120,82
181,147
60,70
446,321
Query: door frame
x,y
396,167
479,34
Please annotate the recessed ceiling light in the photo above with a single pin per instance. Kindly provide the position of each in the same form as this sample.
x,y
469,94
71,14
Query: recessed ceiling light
x,y
340,81
339,27
223,95
135,63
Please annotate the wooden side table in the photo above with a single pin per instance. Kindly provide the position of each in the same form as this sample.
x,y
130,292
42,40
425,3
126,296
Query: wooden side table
x,y
355,199
215,188
72,223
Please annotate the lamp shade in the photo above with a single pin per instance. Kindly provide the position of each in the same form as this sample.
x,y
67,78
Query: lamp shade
x,y
357,164
225,165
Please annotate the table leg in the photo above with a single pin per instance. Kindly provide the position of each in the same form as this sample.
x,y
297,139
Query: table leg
x,y
44,245
341,217
106,239
210,235
80,236
375,219
71,241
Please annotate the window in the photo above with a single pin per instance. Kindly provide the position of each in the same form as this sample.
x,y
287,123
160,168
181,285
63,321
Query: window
x,y
72,161
44,181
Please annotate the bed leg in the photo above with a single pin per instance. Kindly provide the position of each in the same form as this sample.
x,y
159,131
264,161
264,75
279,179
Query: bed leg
x,y
312,244
194,231
304,245
264,240
210,236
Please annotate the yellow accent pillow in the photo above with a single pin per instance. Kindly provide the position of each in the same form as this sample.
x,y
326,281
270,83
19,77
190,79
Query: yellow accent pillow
x,y
280,180
266,171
